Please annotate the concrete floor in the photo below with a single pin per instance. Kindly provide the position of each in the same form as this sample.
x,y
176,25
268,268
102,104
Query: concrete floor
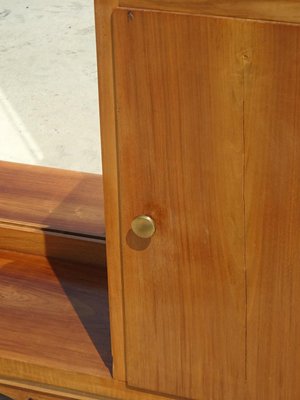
x,y
48,84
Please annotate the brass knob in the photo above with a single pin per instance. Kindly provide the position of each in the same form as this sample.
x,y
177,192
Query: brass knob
x,y
143,226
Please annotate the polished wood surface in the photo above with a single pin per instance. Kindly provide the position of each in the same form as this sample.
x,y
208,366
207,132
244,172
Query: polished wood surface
x,y
272,10
272,130
91,389
23,394
54,314
52,199
179,104
34,240
103,12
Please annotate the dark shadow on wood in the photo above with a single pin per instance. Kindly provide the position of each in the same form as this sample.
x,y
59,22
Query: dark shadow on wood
x,y
86,287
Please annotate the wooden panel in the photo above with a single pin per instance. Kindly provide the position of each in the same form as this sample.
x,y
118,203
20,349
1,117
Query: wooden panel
x,y
272,10
22,394
103,11
43,393
179,88
31,240
18,393
272,129
54,313
52,199
91,388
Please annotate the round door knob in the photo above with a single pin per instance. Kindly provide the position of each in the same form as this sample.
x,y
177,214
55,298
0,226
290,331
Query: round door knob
x,y
143,226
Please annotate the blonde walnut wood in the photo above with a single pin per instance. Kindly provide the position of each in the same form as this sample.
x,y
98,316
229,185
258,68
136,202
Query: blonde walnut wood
x,y
54,313
103,12
52,212
155,106
179,107
52,199
272,10
207,126
111,390
22,394
272,194
33,240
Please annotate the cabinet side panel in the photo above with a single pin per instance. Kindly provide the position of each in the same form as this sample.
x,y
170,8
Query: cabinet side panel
x,y
179,91
103,12
272,131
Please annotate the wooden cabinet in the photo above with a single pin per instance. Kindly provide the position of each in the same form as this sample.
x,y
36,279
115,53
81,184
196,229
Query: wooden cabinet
x,y
200,132
205,100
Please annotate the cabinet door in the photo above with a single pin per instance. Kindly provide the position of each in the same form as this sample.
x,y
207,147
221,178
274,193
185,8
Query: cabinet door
x,y
179,106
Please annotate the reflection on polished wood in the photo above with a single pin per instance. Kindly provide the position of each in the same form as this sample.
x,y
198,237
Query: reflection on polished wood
x,y
54,313
52,199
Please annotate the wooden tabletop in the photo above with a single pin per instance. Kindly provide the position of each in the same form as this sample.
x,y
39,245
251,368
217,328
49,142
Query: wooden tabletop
x,y
52,199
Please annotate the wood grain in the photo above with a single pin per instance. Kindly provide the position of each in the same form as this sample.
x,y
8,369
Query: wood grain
x,y
272,10
52,199
93,388
33,240
42,393
103,12
54,314
23,394
272,130
179,102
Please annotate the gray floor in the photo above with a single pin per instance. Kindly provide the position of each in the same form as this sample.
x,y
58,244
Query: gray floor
x,y
48,84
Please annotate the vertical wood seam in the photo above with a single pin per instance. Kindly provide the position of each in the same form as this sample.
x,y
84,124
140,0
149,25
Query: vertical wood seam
x,y
244,58
119,190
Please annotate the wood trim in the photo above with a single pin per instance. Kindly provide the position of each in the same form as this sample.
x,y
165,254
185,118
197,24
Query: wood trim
x,y
103,12
274,10
23,393
32,240
80,386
